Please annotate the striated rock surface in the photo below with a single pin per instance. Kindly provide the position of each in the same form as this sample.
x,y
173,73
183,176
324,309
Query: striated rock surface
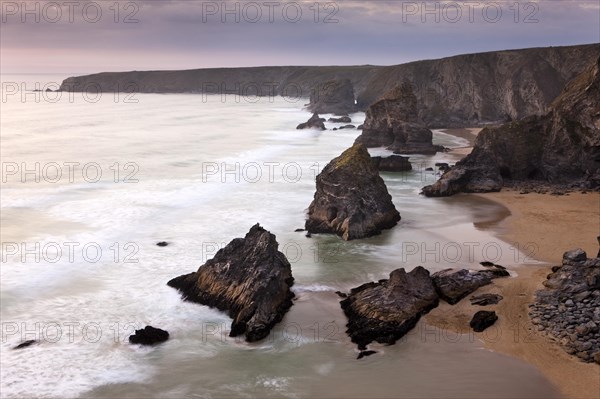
x,y
393,122
453,285
249,278
568,309
333,97
562,146
485,299
351,200
314,122
394,163
387,310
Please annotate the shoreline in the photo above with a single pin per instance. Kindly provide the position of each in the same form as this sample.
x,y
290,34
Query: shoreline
x,y
543,227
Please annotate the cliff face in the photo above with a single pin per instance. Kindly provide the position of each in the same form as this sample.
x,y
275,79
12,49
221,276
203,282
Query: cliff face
x,y
562,146
462,91
333,97
471,89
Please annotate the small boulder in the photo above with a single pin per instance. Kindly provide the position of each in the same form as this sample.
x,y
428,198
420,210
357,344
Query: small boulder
x,y
575,255
482,320
25,344
343,119
485,299
315,122
453,285
162,243
149,336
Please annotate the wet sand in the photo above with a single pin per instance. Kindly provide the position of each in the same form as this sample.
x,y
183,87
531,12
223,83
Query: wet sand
x,y
544,227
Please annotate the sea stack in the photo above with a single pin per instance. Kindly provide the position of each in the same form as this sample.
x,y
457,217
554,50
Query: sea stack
x,y
249,278
351,200
393,122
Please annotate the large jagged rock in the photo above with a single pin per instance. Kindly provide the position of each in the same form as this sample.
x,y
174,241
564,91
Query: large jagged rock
x,y
351,200
560,147
249,278
386,310
314,122
333,97
568,308
393,122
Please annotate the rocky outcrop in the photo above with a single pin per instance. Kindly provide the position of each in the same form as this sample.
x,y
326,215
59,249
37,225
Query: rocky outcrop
x,y
314,122
461,91
249,278
482,320
485,299
351,200
568,309
562,146
26,344
343,119
393,122
453,285
394,163
149,336
333,97
386,310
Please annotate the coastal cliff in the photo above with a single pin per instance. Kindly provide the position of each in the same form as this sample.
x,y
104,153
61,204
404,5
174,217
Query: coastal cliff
x,y
560,147
460,91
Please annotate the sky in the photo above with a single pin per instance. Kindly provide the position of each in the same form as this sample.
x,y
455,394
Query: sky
x,y
121,35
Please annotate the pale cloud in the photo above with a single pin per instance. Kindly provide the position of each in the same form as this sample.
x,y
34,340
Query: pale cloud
x,y
140,34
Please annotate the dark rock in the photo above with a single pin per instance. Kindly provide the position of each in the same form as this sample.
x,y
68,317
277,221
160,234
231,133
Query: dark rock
x,y
308,235
453,285
394,163
482,320
313,123
351,200
149,336
341,294
486,264
393,122
162,243
562,146
360,127
343,119
334,129
298,230
347,127
365,354
597,357
576,255
333,97
555,268
25,344
429,169
249,278
485,299
386,311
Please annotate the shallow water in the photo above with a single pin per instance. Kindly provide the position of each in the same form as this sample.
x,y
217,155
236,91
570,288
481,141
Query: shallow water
x,y
198,171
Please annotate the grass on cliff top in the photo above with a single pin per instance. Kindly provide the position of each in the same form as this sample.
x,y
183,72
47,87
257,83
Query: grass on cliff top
x,y
356,156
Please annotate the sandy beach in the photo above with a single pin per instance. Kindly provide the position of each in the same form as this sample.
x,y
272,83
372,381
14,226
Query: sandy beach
x,y
546,226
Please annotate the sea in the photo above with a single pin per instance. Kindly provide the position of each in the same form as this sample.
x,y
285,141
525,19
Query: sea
x,y
92,182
